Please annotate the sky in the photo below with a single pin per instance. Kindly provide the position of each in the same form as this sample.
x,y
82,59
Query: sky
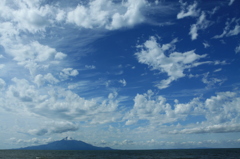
x,y
127,74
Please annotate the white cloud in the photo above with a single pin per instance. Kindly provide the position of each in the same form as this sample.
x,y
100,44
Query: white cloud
x,y
36,16
187,11
237,49
41,80
227,31
234,31
33,56
157,111
90,67
107,14
60,56
153,54
32,141
20,97
219,113
225,128
211,81
38,132
191,11
57,103
132,15
123,81
66,72
68,105
231,2
28,16
61,15
206,45
213,11
70,71
55,128
223,107
201,24
218,70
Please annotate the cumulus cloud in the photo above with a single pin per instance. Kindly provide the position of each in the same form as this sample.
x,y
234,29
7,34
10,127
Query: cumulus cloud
x,y
223,107
219,112
42,79
111,15
60,56
32,56
154,109
66,72
188,10
107,14
28,16
22,91
154,55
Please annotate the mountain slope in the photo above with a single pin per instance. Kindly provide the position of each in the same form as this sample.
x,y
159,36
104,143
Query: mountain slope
x,y
66,145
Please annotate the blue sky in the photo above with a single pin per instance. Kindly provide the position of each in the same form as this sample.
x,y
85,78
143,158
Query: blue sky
x,y
131,74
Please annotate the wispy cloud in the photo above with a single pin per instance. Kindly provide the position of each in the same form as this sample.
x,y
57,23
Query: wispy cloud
x,y
123,81
237,49
90,67
227,31
206,45
226,128
188,10
231,2
202,23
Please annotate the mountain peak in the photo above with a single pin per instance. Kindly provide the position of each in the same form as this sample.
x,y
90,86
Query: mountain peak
x,y
66,144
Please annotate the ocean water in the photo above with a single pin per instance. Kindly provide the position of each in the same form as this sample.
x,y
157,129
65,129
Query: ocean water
x,y
123,154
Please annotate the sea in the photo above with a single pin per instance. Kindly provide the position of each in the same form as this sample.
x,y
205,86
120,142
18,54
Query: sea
x,y
123,154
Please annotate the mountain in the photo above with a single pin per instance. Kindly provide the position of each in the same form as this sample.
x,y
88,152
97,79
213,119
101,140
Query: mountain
x,y
66,144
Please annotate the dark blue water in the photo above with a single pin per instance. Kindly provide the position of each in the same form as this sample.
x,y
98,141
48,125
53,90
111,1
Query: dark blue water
x,y
123,154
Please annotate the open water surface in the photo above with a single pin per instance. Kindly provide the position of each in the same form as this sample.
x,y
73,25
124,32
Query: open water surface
x,y
123,154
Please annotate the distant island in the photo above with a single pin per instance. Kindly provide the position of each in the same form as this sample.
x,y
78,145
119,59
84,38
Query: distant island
x,y
66,144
